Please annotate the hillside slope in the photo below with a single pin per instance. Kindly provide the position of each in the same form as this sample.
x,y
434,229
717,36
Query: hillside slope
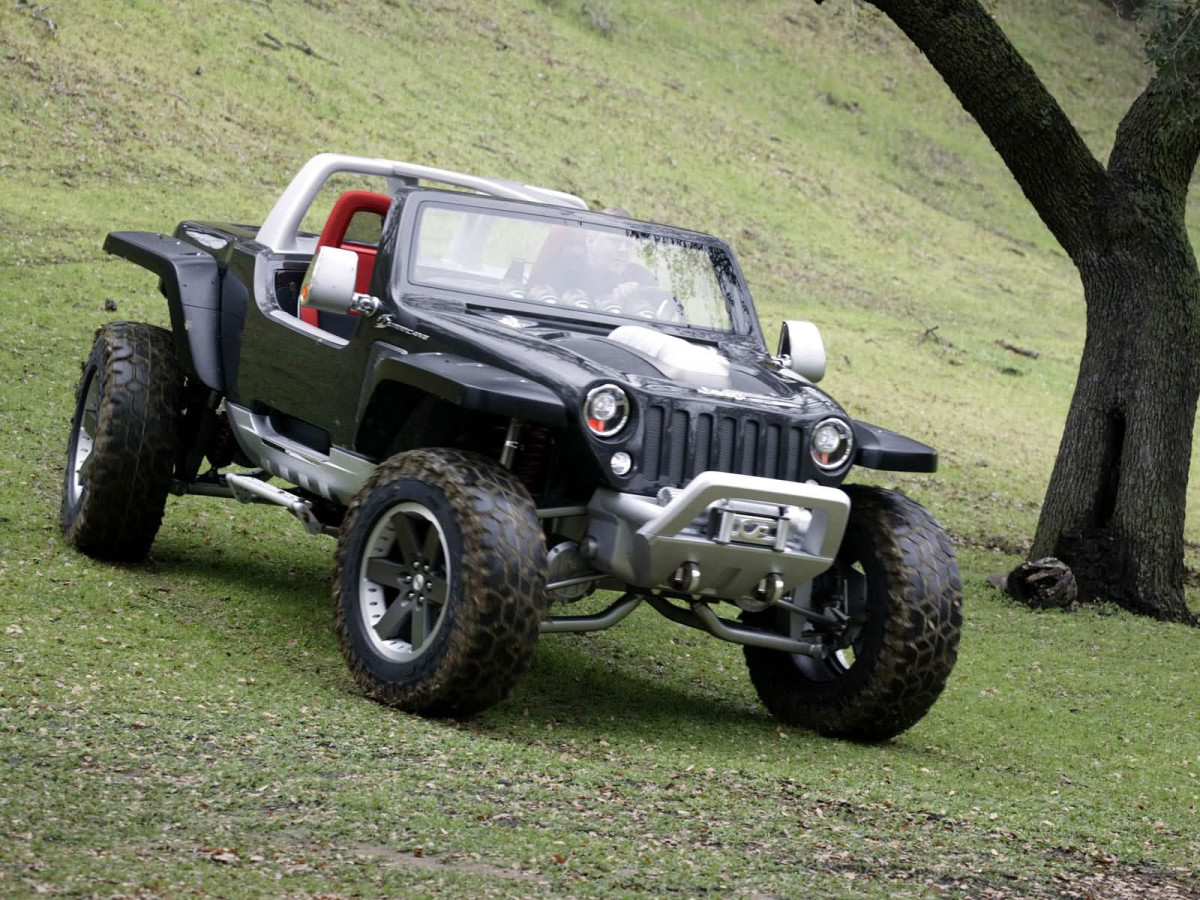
x,y
817,140
187,726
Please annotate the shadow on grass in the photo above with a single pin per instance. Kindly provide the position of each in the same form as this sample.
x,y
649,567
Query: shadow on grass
x,y
576,682
245,600
589,694
304,577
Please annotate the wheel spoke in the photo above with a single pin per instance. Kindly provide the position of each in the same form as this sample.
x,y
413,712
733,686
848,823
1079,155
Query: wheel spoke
x,y
89,421
438,590
406,538
383,571
429,551
388,628
84,468
421,621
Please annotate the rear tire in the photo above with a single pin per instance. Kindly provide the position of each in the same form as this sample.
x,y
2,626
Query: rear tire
x,y
121,453
440,582
907,634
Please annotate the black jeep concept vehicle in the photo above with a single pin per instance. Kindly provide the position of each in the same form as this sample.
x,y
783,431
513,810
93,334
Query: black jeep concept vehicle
x,y
500,403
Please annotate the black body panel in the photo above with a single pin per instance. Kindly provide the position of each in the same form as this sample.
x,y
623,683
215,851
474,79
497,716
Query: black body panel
x,y
467,383
286,364
190,279
234,311
879,448
611,354
235,297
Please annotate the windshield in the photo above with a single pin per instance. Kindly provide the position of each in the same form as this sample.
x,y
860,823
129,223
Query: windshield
x,y
571,265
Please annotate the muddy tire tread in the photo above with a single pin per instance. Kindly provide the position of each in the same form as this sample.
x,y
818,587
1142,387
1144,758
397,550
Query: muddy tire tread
x,y
492,635
921,632
133,453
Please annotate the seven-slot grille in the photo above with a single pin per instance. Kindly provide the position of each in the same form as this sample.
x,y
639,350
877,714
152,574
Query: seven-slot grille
x,y
678,445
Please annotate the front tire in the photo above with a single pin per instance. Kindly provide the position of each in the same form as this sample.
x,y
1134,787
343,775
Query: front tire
x,y
439,585
121,453
905,627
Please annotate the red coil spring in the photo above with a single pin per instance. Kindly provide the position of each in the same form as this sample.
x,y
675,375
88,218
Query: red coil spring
x,y
533,456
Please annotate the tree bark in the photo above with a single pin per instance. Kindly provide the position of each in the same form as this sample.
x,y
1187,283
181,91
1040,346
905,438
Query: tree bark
x,y
1114,509
1125,9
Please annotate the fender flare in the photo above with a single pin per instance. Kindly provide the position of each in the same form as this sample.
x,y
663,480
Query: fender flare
x,y
463,382
879,448
190,279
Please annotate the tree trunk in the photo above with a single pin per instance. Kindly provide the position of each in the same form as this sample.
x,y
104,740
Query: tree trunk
x,y
1114,509
1115,506
1126,9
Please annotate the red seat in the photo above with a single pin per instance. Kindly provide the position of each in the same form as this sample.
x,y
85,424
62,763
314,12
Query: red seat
x,y
334,235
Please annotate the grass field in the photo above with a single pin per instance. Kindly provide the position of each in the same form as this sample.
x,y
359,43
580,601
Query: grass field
x,y
187,726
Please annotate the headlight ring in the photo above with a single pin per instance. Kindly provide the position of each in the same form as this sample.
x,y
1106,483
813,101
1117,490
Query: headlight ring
x,y
606,410
831,444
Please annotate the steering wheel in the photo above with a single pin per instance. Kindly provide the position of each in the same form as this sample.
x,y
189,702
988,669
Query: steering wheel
x,y
661,305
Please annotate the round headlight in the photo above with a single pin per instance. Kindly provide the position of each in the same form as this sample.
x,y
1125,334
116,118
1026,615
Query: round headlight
x,y
831,444
606,410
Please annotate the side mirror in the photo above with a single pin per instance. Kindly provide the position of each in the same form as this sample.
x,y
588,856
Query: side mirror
x,y
802,350
329,284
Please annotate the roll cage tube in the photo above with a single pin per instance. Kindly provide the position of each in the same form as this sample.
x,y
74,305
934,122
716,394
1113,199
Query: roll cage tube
x,y
279,229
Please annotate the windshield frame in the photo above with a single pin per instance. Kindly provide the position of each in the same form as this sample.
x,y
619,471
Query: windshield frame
x,y
731,282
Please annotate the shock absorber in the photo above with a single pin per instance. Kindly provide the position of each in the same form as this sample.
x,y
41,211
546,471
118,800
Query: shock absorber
x,y
512,440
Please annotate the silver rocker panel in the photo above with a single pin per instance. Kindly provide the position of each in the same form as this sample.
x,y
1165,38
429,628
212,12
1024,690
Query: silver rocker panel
x,y
337,475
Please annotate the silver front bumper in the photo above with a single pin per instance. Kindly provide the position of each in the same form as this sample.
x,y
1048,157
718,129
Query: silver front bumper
x,y
737,529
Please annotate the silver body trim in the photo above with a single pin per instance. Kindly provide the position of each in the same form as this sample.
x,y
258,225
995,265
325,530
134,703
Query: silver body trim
x,y
337,475
642,543
700,616
278,231
327,338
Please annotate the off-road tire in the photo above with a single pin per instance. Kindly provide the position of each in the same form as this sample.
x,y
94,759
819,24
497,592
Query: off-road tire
x,y
133,387
909,640
496,597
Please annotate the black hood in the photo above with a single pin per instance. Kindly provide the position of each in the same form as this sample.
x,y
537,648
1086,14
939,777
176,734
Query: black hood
x,y
730,408
570,360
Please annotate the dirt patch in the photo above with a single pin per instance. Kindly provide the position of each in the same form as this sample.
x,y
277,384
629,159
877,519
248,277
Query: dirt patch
x,y
1121,883
416,859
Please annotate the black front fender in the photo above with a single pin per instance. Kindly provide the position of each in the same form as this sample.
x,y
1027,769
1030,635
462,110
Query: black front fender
x,y
190,279
879,448
465,383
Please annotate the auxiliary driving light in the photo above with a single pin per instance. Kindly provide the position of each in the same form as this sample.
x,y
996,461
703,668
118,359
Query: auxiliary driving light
x,y
831,443
606,410
621,463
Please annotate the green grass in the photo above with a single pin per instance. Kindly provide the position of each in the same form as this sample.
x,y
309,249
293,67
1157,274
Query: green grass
x,y
188,725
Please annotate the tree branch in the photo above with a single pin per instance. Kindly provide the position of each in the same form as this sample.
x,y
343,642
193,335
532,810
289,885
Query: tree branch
x,y
1055,169
1158,140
